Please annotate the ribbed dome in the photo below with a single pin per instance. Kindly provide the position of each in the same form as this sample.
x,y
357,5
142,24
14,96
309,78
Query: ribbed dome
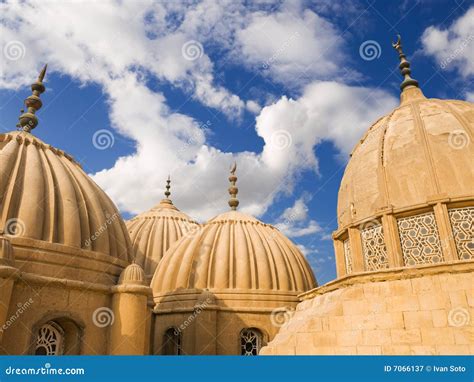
x,y
133,274
153,232
421,151
234,251
45,195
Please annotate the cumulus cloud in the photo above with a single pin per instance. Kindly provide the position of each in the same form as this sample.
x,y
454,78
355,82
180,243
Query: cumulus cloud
x,y
294,220
120,46
298,212
100,42
292,45
326,110
453,47
308,251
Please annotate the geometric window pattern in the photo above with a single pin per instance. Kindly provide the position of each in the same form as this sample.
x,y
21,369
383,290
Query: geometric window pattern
x,y
462,222
375,251
348,256
250,342
420,240
50,340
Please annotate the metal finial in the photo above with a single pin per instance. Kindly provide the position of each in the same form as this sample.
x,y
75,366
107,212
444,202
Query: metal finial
x,y
167,192
233,190
404,65
28,121
42,73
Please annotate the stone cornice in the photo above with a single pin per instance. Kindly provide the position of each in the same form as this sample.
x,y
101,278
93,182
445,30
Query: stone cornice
x,y
390,274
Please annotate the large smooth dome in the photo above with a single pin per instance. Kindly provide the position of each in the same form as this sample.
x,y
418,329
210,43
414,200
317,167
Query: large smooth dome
x,y
234,251
420,152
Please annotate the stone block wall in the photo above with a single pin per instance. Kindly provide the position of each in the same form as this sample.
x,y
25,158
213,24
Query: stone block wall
x,y
401,312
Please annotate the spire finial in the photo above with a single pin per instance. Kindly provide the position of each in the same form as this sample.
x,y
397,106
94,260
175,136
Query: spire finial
x,y
167,192
233,190
404,65
28,120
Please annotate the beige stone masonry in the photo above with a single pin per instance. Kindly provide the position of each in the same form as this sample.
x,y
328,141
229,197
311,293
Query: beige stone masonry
x,y
425,310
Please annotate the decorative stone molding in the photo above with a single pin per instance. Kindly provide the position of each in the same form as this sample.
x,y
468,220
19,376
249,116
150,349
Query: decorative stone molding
x,y
391,274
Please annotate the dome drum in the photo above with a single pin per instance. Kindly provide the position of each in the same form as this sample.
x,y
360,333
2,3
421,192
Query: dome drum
x,y
66,262
226,300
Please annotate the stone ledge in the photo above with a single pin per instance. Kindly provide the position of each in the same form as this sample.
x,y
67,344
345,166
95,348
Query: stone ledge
x,y
390,275
32,279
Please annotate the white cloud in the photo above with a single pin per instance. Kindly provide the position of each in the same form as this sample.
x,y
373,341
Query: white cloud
x,y
453,48
100,42
293,222
307,251
298,212
116,47
299,231
253,107
292,45
326,110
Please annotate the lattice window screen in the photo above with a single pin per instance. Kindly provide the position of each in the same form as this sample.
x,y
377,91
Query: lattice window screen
x,y
462,222
420,240
373,245
348,256
250,342
50,340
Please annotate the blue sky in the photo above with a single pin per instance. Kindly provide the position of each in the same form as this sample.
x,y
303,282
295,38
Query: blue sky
x,y
139,90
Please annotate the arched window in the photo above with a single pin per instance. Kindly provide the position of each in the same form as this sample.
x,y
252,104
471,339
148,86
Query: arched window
x,y
172,342
50,339
250,341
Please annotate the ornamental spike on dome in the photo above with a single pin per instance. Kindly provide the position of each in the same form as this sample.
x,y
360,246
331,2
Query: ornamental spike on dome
x,y
404,66
233,190
167,192
28,120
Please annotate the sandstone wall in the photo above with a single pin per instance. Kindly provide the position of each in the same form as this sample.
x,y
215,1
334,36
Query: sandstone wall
x,y
407,311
